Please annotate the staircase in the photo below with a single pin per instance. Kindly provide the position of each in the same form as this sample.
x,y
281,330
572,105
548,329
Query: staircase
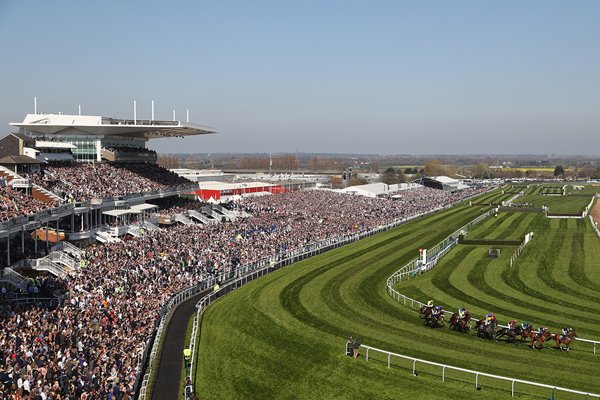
x,y
212,213
43,264
134,230
228,214
60,257
105,237
149,226
44,195
8,275
200,217
69,248
183,219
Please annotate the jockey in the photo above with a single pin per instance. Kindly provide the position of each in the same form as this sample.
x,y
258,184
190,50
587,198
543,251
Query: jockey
x,y
429,304
437,310
511,325
566,331
525,324
461,312
541,330
490,318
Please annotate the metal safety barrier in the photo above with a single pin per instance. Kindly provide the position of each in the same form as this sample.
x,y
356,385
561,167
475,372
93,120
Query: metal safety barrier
x,y
477,374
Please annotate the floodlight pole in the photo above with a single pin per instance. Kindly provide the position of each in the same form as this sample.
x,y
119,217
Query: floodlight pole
x,y
134,113
80,109
187,117
152,119
174,115
35,105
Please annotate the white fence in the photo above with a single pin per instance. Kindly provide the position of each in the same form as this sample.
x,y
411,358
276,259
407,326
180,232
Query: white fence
x,y
477,374
594,226
518,252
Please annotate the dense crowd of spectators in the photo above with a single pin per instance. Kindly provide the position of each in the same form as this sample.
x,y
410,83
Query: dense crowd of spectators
x,y
129,149
86,181
15,203
91,346
175,205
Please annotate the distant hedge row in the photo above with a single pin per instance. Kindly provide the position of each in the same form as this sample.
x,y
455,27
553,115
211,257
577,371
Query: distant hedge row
x,y
490,242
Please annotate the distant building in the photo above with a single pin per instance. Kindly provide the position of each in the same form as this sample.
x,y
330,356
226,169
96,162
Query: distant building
x,y
203,175
379,189
443,183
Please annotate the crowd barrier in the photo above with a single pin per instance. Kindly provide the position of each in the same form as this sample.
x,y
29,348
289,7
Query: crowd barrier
x,y
477,374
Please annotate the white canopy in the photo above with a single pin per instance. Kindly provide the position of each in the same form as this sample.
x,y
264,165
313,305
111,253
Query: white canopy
x,y
142,207
117,213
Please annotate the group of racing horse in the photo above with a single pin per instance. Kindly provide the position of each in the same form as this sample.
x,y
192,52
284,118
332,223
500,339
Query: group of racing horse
x,y
487,328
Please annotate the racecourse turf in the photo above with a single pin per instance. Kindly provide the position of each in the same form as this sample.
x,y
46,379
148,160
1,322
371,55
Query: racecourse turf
x,y
282,336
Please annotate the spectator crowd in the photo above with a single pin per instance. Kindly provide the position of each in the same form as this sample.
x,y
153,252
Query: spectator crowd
x,y
86,181
14,203
91,346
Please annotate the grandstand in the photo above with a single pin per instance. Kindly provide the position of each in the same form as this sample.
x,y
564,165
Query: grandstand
x,y
121,139
72,172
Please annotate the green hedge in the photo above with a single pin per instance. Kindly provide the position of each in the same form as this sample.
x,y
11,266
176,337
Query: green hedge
x,y
489,242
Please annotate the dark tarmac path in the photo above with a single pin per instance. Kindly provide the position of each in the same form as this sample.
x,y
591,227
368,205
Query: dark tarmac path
x,y
166,386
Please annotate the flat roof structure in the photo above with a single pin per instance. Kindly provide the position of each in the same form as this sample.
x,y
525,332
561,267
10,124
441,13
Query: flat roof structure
x,y
379,189
61,124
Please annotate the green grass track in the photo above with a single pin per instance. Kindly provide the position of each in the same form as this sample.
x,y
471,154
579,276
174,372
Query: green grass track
x,y
282,336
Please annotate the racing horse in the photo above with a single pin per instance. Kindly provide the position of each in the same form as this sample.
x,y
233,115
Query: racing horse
x,y
458,323
564,339
486,331
511,334
524,333
435,320
539,338
425,312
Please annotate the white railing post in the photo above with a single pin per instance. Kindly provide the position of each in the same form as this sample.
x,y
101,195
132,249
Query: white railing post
x,y
444,373
512,389
389,355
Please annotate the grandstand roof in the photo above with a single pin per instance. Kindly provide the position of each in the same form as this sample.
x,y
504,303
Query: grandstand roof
x,y
60,124
18,160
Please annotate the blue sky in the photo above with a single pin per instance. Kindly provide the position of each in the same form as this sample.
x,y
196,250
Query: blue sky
x,y
387,77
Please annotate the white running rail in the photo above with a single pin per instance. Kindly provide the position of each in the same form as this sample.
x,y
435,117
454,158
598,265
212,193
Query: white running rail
x,y
477,374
